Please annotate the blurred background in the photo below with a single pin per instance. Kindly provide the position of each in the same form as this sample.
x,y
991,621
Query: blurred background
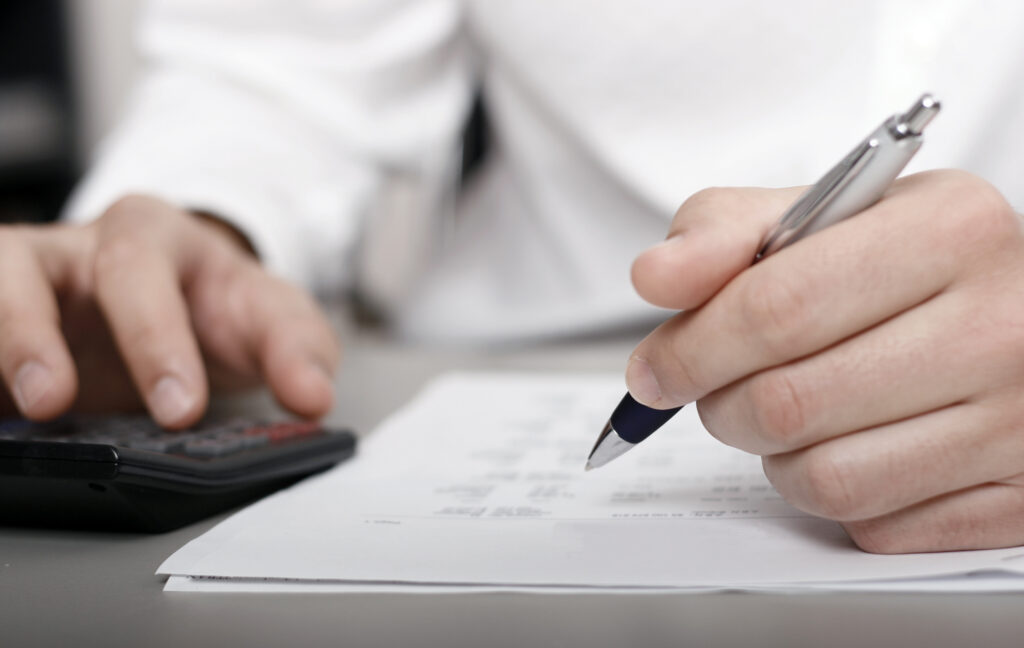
x,y
66,69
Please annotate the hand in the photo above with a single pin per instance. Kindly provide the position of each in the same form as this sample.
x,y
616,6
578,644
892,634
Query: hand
x,y
151,304
876,366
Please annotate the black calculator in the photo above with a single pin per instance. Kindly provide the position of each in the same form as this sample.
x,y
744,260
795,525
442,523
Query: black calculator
x,y
128,474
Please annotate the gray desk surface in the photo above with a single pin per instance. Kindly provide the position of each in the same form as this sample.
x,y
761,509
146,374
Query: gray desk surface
x,y
76,589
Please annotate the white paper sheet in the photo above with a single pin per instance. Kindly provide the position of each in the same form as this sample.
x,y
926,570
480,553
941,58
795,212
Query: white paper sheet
x,y
979,582
479,483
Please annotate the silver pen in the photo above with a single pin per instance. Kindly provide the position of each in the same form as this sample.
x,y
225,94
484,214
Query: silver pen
x,y
857,182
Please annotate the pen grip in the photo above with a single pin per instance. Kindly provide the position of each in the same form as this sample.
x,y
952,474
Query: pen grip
x,y
635,422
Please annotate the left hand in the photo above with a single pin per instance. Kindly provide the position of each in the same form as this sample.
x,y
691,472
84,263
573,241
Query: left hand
x,y
877,366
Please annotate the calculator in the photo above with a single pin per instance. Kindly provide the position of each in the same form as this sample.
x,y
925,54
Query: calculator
x,y
128,474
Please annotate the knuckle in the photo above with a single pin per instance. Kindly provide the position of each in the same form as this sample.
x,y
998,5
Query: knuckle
x,y
728,421
876,536
127,207
712,204
829,485
140,213
114,254
707,198
686,380
706,201
996,326
216,314
713,200
221,305
779,410
776,312
998,223
977,210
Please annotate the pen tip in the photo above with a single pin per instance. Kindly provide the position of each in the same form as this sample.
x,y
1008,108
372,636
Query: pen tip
x,y
588,467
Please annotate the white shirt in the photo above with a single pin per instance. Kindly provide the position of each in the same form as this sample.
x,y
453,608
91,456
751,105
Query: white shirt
x,y
329,133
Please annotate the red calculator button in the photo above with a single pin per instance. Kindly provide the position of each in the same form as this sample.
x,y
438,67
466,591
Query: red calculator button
x,y
283,432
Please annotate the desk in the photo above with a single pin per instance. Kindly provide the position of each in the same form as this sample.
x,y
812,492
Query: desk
x,y
83,589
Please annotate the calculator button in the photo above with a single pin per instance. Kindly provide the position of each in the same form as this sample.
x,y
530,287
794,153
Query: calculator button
x,y
284,432
238,425
141,434
99,439
254,440
212,447
165,443
58,438
14,429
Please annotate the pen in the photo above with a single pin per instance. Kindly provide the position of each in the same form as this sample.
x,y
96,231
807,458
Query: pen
x,y
853,185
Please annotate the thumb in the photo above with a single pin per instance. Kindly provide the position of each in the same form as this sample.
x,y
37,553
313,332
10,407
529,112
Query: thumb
x,y
714,236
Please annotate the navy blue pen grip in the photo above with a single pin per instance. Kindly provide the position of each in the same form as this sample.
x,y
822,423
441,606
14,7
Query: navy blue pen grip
x,y
635,422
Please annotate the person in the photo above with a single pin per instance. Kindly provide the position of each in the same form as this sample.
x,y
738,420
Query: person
x,y
276,150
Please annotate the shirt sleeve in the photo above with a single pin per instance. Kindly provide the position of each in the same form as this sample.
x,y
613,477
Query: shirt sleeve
x,y
285,118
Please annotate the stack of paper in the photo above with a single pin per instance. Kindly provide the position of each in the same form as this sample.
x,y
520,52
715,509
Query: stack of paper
x,y
479,483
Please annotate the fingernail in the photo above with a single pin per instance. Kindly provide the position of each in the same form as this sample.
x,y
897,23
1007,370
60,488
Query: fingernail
x,y
31,382
169,401
641,382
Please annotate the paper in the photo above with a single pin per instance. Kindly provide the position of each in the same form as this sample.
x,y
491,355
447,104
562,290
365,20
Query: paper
x,y
976,582
479,483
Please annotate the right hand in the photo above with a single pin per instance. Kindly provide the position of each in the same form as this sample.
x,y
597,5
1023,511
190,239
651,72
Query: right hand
x,y
151,305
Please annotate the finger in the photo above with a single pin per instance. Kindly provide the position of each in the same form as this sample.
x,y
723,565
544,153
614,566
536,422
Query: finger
x,y
257,325
924,359
836,283
714,236
297,350
252,325
989,516
34,358
891,467
137,278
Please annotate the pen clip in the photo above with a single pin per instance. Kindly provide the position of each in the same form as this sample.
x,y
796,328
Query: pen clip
x,y
815,199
